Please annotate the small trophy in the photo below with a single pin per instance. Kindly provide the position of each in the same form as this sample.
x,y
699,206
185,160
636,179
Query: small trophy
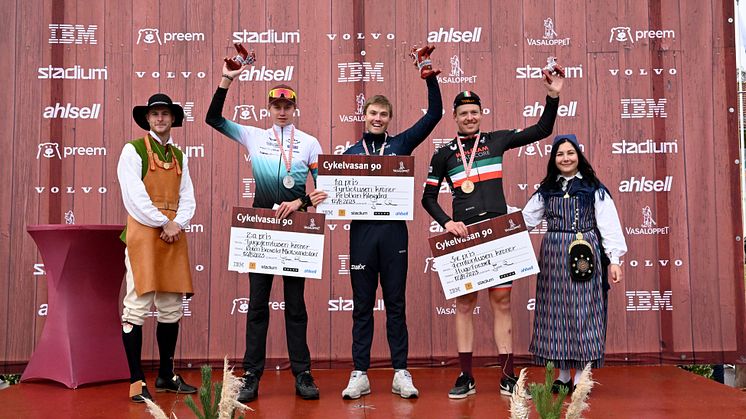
x,y
552,69
421,59
242,58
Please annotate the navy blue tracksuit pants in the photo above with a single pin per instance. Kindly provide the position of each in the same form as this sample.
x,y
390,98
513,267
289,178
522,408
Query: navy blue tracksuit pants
x,y
379,248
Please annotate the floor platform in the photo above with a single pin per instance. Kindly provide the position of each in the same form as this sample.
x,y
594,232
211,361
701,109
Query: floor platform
x,y
622,392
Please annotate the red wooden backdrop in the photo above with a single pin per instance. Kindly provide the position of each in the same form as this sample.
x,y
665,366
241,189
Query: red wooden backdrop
x,y
644,76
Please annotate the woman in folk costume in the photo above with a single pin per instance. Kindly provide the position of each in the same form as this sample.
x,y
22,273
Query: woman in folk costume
x,y
583,238
159,197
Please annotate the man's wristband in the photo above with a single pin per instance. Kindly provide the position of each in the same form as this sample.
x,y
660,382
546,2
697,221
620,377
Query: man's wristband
x,y
305,202
228,77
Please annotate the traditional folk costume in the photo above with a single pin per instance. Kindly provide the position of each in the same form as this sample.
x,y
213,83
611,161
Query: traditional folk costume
x,y
156,188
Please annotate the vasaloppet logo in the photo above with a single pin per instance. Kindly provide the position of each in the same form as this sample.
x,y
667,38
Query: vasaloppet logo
x,y
550,37
267,37
65,33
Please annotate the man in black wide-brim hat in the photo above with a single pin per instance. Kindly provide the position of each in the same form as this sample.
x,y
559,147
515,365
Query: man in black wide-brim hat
x,y
159,197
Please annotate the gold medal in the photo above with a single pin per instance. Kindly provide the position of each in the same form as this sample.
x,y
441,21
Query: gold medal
x,y
467,186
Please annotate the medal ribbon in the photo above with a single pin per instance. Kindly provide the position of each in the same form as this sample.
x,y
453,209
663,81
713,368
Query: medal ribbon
x,y
467,167
380,153
287,159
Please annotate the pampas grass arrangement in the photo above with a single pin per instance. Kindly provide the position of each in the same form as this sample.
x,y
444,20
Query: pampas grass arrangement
x,y
579,400
223,406
518,400
547,406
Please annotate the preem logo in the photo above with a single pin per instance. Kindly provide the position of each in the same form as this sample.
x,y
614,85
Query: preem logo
x,y
250,113
365,71
264,74
539,149
75,72
645,147
531,72
649,300
267,37
625,34
358,116
52,150
154,36
452,35
634,108
68,111
171,74
649,226
550,37
646,185
643,72
537,109
456,76
65,33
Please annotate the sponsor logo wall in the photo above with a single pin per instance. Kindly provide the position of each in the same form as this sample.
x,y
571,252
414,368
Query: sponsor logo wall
x,y
333,84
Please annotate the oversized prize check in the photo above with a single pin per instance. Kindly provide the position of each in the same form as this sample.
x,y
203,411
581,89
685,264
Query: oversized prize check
x,y
264,244
366,187
496,251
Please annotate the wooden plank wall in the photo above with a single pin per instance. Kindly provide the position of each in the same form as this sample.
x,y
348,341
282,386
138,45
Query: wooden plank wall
x,y
683,295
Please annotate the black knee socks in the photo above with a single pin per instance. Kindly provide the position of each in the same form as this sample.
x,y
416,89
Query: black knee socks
x,y
133,348
167,333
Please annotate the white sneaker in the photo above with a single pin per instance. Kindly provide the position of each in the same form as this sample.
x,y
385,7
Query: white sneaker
x,y
357,386
403,385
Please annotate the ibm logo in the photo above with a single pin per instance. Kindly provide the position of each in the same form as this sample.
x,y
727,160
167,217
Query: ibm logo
x,y
352,72
63,33
649,300
643,108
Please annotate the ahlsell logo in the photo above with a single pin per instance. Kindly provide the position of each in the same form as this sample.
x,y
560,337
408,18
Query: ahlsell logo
x,y
649,226
361,36
75,72
65,33
153,36
645,147
649,300
634,108
646,185
454,36
358,115
643,72
267,37
537,109
550,37
365,71
531,72
264,74
625,34
435,227
68,111
340,149
171,74
51,150
456,76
